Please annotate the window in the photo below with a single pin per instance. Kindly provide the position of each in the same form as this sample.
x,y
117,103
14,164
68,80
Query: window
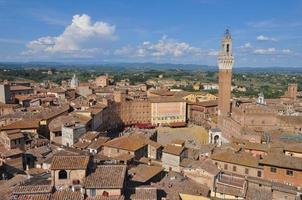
x,y
273,169
246,171
289,173
259,173
93,192
62,174
225,166
234,168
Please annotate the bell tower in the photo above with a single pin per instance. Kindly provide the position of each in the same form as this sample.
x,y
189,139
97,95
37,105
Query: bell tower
x,y
225,63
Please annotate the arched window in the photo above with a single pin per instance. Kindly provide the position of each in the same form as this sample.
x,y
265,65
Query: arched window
x,y
228,48
62,174
105,194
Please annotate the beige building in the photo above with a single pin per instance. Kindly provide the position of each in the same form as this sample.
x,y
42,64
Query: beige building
x,y
240,163
69,170
195,97
126,146
102,81
167,110
12,139
135,112
172,156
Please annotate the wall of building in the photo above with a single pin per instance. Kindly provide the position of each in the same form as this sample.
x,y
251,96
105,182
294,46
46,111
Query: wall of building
x,y
241,170
170,161
168,112
282,177
71,134
114,152
277,195
99,192
135,112
5,96
71,176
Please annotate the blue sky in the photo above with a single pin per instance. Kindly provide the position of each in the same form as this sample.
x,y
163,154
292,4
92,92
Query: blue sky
x,y
265,33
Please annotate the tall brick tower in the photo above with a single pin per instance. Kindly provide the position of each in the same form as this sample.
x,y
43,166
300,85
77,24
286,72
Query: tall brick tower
x,y
225,63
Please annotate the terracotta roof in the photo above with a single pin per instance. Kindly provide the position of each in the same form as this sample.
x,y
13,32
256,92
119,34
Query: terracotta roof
x,y
153,143
40,151
226,189
90,135
123,157
3,105
98,143
19,87
57,90
293,147
69,162
66,195
56,124
106,198
174,183
165,99
12,152
34,197
130,143
81,145
239,158
256,146
178,142
172,149
32,189
211,103
106,176
281,160
23,124
143,173
14,134
144,194
206,165
54,111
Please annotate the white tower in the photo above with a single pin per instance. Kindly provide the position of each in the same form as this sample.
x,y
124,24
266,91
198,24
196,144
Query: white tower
x,y
225,63
74,83
260,99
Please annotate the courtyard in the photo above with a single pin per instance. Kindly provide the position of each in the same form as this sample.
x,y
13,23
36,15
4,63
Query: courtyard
x,y
194,136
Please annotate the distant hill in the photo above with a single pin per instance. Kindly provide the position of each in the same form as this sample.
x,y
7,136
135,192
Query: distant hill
x,y
145,66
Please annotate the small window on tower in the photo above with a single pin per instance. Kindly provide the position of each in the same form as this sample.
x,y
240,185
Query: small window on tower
x,y
228,48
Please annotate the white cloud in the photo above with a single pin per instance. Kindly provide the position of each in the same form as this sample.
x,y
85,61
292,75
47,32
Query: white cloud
x,y
77,37
247,45
272,51
213,53
165,47
265,51
266,38
287,51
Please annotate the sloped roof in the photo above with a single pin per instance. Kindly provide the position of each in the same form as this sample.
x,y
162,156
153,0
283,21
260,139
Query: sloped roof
x,y
106,176
130,143
69,162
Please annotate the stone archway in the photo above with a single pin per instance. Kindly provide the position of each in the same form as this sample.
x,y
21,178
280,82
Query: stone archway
x,y
216,139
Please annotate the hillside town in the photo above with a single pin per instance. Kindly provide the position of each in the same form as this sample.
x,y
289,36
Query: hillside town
x,y
111,140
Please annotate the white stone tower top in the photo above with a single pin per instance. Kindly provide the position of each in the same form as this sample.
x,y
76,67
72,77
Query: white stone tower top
x,y
225,57
74,83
